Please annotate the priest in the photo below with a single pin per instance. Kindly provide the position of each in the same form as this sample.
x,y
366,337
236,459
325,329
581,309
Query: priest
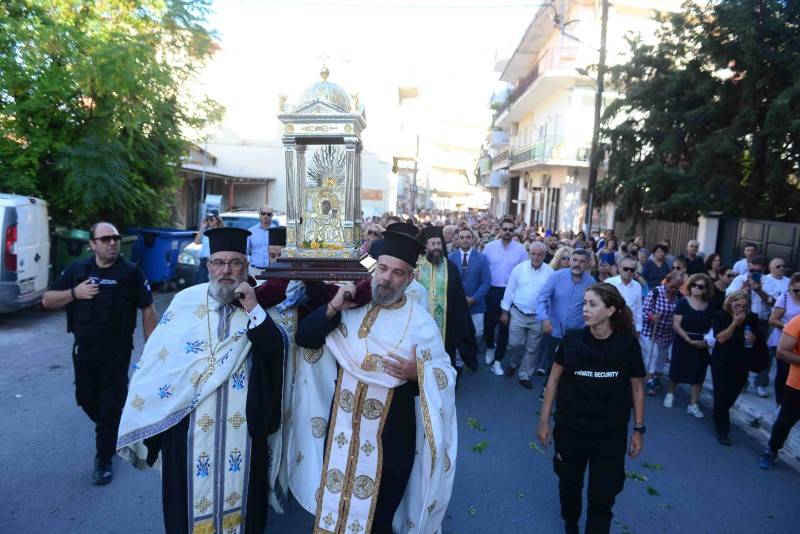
x,y
394,396
205,395
447,302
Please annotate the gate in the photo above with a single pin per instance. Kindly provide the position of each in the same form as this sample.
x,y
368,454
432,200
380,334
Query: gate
x,y
773,239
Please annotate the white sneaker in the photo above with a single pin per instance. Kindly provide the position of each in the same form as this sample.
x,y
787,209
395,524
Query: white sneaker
x,y
497,369
694,409
668,399
489,358
762,391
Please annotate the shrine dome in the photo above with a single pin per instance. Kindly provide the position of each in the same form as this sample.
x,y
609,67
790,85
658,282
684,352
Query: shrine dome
x,y
325,91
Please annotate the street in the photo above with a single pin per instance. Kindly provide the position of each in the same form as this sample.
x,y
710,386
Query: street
x,y
504,481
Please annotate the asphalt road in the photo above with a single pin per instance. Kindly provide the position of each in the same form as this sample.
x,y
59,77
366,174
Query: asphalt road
x,y
694,485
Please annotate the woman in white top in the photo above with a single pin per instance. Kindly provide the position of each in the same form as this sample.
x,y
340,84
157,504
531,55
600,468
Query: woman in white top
x,y
785,309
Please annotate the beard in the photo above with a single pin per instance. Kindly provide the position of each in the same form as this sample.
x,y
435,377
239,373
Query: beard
x,y
384,294
224,293
434,256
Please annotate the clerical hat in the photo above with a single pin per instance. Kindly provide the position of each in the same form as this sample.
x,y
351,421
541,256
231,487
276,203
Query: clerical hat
x,y
403,228
431,231
227,239
398,245
277,236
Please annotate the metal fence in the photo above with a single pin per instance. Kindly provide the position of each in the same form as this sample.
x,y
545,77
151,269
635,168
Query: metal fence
x,y
653,231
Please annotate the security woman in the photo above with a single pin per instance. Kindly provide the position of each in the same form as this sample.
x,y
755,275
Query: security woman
x,y
102,294
598,375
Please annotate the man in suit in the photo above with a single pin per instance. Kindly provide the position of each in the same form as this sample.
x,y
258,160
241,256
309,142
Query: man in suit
x,y
475,276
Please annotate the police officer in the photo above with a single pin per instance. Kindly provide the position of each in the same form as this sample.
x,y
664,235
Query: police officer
x,y
102,294
598,375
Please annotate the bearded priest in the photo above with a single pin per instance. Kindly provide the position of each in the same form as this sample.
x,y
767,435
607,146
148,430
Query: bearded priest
x,y
447,302
390,450
204,397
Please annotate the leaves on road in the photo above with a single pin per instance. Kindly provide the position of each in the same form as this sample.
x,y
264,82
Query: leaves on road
x,y
535,447
652,491
520,495
480,446
474,424
472,511
635,476
653,467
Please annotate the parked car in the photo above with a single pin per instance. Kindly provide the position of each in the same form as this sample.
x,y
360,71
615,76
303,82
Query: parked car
x,y
189,258
25,266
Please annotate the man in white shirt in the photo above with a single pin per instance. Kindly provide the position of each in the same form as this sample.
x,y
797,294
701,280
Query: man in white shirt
x,y
519,312
750,250
630,289
775,282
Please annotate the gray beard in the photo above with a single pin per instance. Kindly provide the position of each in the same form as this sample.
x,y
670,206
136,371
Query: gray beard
x,y
221,293
383,296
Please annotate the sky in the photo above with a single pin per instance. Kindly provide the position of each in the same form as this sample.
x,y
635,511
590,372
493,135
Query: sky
x,y
371,47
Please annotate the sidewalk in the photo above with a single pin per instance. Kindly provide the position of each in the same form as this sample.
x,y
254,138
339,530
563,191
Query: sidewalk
x,y
749,407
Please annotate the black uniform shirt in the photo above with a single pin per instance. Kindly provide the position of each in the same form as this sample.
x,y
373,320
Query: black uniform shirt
x,y
102,315
594,392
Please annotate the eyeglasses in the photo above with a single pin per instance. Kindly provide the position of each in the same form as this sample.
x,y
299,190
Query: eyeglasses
x,y
266,214
234,264
698,286
106,239
629,269
373,232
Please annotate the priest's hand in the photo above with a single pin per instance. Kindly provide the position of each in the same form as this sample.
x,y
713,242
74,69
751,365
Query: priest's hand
x,y
246,295
343,299
400,368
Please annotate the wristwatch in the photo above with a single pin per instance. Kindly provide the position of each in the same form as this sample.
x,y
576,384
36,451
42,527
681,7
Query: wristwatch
x,y
641,429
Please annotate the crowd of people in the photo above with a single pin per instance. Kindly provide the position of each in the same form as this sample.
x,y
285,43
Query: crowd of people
x,y
691,312
603,321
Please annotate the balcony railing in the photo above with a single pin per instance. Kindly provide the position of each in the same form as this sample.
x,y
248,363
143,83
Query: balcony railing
x,y
501,157
554,58
551,147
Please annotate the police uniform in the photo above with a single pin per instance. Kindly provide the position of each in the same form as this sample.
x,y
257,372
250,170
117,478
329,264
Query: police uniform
x,y
103,328
592,413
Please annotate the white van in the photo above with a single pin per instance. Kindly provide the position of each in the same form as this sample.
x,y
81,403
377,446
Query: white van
x,y
24,251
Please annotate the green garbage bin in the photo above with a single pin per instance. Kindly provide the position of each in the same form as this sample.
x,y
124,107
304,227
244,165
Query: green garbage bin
x,y
72,245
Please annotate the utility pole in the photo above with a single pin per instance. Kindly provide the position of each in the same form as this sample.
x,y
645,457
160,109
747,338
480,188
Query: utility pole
x,y
598,106
414,182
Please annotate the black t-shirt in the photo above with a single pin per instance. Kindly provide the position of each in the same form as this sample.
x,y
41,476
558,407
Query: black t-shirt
x,y
594,392
102,315
733,352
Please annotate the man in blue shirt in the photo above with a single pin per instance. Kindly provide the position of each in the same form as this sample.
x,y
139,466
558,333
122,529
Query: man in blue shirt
x,y
560,303
258,242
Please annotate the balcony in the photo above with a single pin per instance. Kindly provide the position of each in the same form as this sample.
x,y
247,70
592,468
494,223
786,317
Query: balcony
x,y
551,150
554,70
502,158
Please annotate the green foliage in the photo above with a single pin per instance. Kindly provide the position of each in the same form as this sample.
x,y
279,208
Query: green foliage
x,y
710,121
480,446
94,104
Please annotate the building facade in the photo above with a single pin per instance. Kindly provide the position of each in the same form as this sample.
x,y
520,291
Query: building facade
x,y
536,156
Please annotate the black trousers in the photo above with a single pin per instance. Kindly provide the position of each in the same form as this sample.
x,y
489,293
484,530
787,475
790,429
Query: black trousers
x,y
787,418
491,319
101,386
604,453
729,380
781,374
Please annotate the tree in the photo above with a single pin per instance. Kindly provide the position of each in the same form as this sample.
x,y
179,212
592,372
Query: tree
x,y
709,121
94,103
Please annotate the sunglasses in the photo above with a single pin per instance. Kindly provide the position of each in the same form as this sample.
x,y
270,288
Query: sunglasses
x,y
795,290
508,229
754,271
564,258
373,232
267,214
629,269
106,239
780,266
698,286
729,275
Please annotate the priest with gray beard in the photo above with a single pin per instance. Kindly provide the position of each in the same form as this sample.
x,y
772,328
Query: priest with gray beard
x,y
205,395
394,390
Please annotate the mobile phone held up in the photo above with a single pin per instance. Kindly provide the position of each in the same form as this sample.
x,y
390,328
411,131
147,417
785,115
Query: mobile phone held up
x,y
755,277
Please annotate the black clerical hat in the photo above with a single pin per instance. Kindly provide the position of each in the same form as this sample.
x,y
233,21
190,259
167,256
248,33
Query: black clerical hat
x,y
431,231
398,245
403,228
277,236
227,239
